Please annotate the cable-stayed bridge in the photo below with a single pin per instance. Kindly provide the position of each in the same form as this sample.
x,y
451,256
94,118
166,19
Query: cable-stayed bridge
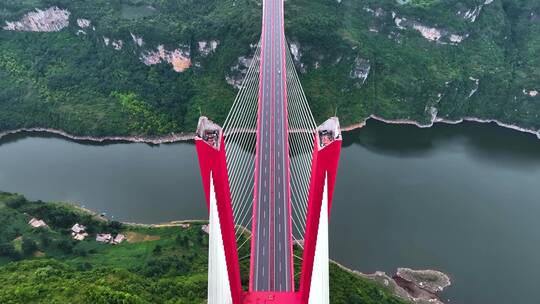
x,y
269,174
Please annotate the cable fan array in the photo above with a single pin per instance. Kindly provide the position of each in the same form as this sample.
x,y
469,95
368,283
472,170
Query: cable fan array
x,y
240,143
240,138
301,143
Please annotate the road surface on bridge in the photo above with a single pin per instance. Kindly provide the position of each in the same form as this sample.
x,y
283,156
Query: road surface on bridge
x,y
271,259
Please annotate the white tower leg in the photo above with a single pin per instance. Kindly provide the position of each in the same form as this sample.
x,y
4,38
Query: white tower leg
x,y
218,278
319,292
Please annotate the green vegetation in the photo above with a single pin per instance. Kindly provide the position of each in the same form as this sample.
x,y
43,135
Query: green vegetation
x,y
408,71
75,82
154,265
78,84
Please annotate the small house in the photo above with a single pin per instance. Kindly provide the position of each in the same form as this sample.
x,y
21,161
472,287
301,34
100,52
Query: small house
x,y
206,229
118,239
77,228
36,223
80,236
78,232
104,238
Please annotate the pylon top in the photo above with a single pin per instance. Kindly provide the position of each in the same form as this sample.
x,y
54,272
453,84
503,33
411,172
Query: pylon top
x,y
328,132
209,132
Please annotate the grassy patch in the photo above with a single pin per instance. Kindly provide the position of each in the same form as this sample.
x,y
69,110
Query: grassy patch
x,y
136,237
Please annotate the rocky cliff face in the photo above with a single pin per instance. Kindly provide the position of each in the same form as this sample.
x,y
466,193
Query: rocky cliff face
x,y
360,70
400,60
430,33
236,75
179,58
136,39
52,19
294,47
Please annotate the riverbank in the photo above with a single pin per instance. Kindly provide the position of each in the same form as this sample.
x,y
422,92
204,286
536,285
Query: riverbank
x,y
172,138
418,286
436,120
156,140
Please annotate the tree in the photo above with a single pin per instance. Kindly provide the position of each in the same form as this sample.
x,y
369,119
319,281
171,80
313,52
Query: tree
x,y
28,246
182,240
115,226
44,239
15,201
157,250
80,252
8,250
355,299
66,246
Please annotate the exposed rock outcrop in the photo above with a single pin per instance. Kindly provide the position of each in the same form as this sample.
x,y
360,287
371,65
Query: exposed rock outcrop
x,y
117,44
476,85
472,14
207,47
83,23
297,56
531,93
136,39
360,70
431,281
418,286
52,19
438,35
378,23
179,58
238,72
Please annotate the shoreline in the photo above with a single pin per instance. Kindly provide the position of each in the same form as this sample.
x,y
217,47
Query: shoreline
x,y
408,287
401,287
405,288
155,140
436,120
180,137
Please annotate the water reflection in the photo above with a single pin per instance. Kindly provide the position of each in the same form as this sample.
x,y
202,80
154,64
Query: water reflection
x,y
462,199
484,142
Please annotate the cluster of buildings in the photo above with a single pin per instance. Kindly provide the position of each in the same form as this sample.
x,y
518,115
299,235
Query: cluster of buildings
x,y
78,232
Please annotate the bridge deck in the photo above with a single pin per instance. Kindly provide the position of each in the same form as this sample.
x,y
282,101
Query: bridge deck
x,y
271,258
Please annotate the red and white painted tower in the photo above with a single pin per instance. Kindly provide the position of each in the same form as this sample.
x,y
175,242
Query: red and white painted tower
x,y
273,107
224,284
314,279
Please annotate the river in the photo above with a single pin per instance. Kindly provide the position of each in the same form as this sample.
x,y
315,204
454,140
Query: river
x,y
463,199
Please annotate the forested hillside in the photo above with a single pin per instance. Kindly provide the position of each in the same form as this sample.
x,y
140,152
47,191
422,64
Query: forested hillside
x,y
167,264
151,67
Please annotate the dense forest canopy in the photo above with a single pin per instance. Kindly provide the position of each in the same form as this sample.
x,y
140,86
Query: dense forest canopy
x,y
397,59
